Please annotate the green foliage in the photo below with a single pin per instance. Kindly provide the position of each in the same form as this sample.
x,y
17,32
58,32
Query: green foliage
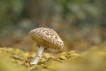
x,y
9,11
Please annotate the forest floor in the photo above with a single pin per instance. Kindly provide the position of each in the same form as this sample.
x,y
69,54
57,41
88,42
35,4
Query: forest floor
x,y
17,60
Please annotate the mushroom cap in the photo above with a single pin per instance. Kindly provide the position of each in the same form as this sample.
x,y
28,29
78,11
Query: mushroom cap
x,y
46,37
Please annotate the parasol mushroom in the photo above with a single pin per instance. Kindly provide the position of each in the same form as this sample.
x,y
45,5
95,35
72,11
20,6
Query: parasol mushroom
x,y
45,38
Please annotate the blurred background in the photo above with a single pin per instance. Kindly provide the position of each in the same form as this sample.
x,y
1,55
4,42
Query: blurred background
x,y
80,23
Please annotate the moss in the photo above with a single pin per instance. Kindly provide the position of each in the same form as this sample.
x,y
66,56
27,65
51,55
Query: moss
x,y
92,60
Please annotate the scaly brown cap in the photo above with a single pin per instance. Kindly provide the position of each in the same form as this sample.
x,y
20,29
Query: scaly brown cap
x,y
46,37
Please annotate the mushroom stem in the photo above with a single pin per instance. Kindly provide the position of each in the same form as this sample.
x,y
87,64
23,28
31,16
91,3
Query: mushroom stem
x,y
38,55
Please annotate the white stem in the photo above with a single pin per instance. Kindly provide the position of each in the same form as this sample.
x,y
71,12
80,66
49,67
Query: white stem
x,y
38,55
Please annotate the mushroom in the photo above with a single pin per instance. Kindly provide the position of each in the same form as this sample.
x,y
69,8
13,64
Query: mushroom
x,y
45,38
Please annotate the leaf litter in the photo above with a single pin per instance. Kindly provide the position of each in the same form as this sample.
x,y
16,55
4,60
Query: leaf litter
x,y
18,60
